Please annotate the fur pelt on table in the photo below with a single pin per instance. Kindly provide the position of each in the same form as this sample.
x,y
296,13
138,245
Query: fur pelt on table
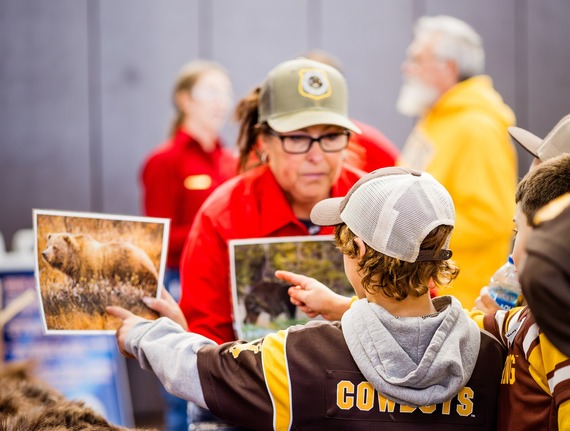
x,y
29,404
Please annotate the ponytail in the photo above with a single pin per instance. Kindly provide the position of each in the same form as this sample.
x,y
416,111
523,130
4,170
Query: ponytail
x,y
246,115
177,122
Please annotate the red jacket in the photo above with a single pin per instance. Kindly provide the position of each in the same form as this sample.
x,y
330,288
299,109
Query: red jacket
x,y
177,178
251,205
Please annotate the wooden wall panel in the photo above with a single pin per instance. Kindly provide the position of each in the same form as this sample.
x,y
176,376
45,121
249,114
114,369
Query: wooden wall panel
x,y
44,110
142,50
370,40
547,63
250,38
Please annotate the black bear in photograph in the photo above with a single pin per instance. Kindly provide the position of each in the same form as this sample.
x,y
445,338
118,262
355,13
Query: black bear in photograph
x,y
270,297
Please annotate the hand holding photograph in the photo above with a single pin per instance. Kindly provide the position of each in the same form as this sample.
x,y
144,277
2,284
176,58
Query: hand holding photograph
x,y
87,261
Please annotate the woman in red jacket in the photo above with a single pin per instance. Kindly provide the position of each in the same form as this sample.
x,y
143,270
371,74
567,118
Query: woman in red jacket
x,y
296,127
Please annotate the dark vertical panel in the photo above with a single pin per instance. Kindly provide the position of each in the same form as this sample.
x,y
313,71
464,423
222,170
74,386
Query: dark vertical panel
x,y
205,28
251,37
43,109
521,61
548,64
95,120
142,50
418,8
370,39
315,23
521,77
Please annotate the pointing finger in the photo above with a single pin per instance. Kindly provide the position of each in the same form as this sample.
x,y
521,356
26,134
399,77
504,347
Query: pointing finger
x,y
291,277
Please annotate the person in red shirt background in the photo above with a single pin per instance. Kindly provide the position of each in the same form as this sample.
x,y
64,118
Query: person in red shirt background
x,y
180,174
295,128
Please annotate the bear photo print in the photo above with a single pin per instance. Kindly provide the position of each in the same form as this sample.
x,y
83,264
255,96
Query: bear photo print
x,y
260,302
85,262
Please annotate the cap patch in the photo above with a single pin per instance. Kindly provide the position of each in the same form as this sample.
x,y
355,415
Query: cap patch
x,y
314,84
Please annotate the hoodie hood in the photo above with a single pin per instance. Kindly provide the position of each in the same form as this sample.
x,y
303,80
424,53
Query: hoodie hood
x,y
476,93
415,361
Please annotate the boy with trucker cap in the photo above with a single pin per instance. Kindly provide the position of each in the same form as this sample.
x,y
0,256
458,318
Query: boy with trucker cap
x,y
399,360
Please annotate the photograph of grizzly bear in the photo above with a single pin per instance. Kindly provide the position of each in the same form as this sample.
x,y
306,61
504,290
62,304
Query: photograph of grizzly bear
x,y
87,261
260,301
83,258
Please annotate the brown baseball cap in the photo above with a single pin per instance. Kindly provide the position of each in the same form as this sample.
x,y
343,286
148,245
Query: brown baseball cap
x,y
301,93
555,143
545,278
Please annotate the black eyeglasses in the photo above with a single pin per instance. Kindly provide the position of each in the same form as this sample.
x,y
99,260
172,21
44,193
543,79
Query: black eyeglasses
x,y
300,144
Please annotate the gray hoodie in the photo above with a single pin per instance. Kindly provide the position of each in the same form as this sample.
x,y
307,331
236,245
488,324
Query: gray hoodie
x,y
415,361
171,353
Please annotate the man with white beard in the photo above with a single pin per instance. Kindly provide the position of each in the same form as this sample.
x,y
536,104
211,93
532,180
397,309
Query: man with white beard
x,y
461,139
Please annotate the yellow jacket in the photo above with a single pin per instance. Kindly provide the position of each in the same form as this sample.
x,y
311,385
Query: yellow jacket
x,y
463,142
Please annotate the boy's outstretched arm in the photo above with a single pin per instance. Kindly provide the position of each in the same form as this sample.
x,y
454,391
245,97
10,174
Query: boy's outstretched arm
x,y
128,321
165,348
313,297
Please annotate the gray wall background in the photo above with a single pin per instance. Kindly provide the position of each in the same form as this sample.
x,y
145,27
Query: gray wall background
x,y
85,85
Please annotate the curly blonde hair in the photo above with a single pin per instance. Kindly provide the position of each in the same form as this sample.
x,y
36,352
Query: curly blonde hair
x,y
396,278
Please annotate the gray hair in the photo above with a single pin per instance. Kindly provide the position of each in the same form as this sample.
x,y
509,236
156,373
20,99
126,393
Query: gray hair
x,y
458,41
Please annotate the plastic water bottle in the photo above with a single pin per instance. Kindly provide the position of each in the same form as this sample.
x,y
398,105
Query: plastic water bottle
x,y
504,286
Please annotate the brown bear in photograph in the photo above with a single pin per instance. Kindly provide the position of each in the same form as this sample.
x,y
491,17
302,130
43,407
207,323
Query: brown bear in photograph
x,y
84,260
269,297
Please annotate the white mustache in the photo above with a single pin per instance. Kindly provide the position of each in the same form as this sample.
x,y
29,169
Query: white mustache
x,y
415,98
